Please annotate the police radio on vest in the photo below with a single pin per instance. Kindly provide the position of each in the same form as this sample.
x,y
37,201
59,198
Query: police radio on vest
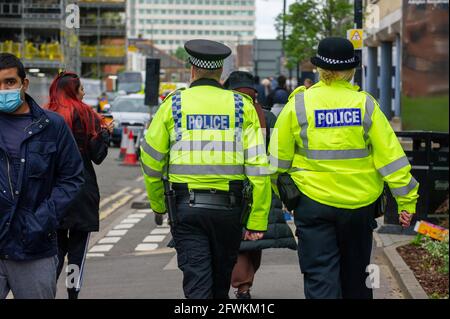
x,y
337,117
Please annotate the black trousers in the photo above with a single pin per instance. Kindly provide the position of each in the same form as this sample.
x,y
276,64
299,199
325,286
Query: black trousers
x,y
74,244
207,244
334,248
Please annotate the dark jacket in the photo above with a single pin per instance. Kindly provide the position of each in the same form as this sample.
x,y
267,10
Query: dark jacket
x,y
278,234
261,97
49,179
83,213
277,96
270,119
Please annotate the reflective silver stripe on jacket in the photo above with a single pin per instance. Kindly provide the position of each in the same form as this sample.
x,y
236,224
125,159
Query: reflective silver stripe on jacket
x,y
333,154
256,171
255,151
301,118
150,171
181,169
206,146
403,191
367,121
148,149
276,162
393,166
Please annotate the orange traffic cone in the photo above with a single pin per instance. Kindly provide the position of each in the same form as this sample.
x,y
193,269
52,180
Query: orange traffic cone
x,y
123,144
131,156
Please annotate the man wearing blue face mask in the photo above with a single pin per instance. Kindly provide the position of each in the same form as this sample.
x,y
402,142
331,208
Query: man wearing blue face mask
x,y
40,174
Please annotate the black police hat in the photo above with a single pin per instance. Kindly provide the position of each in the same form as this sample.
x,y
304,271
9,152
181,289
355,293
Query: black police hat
x,y
206,54
335,54
240,79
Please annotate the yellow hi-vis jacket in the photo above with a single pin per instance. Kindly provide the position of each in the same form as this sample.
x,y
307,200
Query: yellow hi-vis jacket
x,y
206,136
338,147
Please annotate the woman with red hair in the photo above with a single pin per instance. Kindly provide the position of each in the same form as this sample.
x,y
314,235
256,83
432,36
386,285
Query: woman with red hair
x,y
92,136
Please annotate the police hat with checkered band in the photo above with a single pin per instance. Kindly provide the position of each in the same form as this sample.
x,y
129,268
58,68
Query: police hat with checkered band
x,y
206,54
335,54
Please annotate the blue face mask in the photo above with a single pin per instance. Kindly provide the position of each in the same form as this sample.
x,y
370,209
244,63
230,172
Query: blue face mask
x,y
10,100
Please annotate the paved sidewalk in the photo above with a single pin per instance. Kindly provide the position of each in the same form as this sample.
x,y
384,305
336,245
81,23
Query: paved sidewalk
x,y
285,281
400,270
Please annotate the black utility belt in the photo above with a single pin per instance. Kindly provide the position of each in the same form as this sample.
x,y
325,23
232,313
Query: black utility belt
x,y
209,199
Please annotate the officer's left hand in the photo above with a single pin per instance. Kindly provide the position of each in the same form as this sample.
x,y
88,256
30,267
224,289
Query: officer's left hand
x,y
253,235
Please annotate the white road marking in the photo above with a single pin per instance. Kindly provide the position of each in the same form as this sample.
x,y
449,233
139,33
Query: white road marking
x,y
154,239
140,179
124,226
106,200
146,247
137,216
115,205
117,232
101,248
145,211
109,240
136,191
158,231
172,264
130,221
88,255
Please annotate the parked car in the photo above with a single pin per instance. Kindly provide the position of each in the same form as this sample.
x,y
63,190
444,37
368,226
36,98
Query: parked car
x,y
130,111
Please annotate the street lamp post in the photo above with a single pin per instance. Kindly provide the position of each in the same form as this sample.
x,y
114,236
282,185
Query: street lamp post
x,y
358,7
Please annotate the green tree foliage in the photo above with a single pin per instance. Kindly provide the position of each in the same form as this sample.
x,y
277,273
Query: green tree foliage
x,y
309,21
182,55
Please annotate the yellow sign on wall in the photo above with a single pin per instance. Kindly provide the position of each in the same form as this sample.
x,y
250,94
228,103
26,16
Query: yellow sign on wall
x,y
356,37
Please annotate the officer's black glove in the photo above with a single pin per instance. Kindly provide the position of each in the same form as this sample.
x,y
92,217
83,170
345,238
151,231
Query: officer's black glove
x,y
158,219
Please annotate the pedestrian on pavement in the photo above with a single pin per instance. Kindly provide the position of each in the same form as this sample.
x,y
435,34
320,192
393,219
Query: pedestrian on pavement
x,y
40,174
261,92
92,136
339,149
278,97
278,233
267,89
210,141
